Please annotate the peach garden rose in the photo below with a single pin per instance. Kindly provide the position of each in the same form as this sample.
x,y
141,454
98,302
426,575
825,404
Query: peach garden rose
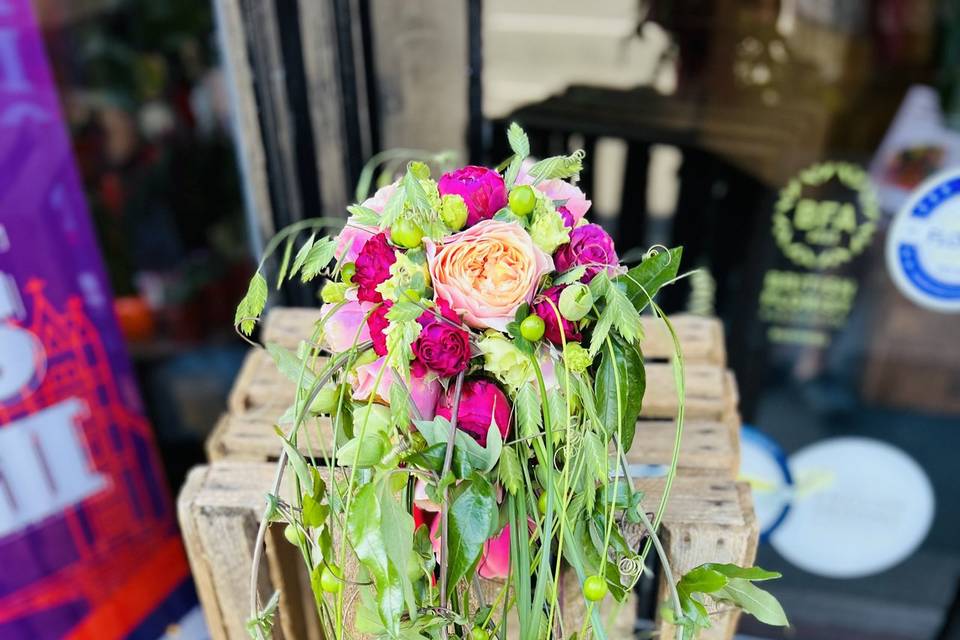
x,y
487,272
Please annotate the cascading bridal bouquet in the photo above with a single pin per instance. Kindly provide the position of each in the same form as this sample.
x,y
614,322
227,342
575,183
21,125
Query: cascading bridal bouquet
x,y
466,401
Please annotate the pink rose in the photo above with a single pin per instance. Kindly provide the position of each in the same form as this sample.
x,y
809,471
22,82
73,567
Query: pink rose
x,y
481,403
591,246
424,389
340,331
569,196
377,323
548,313
442,346
373,267
482,190
487,272
494,559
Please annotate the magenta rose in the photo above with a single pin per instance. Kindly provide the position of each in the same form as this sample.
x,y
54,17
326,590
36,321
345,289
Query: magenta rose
x,y
591,246
377,323
481,402
548,313
482,190
373,267
568,220
442,346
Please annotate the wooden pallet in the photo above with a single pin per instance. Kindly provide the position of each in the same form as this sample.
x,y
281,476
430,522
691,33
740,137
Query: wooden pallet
x,y
710,517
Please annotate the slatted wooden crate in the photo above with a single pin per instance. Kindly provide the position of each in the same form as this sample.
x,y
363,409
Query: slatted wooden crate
x,y
710,517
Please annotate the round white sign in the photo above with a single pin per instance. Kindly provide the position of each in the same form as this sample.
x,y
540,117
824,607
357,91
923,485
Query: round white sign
x,y
871,510
923,244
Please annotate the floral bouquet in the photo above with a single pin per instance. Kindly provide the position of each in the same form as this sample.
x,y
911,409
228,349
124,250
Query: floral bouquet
x,y
468,396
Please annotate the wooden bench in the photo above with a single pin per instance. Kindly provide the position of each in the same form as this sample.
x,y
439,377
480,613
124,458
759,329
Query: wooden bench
x,y
710,517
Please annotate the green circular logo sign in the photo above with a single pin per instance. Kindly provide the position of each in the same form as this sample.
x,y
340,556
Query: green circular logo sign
x,y
826,215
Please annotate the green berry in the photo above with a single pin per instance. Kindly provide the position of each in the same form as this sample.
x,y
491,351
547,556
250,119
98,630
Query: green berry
x,y
595,588
479,633
406,234
522,200
532,328
330,580
293,535
542,503
347,271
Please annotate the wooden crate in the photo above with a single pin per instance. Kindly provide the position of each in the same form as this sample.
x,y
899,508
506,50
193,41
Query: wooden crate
x,y
710,517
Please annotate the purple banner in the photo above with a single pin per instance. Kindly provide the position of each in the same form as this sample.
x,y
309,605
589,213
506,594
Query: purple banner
x,y
88,542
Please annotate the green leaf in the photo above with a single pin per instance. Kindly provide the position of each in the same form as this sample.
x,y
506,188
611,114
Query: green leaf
x,y
620,374
366,537
319,256
601,330
471,521
702,579
285,262
416,196
510,472
290,365
363,215
430,458
252,304
314,513
558,166
521,149
753,600
296,461
468,454
394,206
301,256
399,406
747,573
397,527
527,407
644,280
404,311
595,469
625,317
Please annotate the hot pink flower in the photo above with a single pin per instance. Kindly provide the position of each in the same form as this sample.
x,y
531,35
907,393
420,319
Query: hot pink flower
x,y
373,267
548,313
424,389
377,323
482,190
487,272
340,329
481,403
589,245
442,346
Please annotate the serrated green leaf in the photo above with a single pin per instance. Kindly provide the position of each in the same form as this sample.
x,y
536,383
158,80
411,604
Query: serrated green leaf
x,y
521,149
416,196
510,472
301,256
394,206
625,317
319,256
571,275
363,215
404,311
290,365
558,166
399,406
761,604
285,262
252,304
600,331
527,408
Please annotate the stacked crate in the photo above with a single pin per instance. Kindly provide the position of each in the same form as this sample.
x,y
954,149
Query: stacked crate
x,y
709,518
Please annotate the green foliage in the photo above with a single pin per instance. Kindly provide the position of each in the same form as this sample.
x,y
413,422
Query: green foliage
x,y
645,280
558,166
510,472
261,625
520,146
472,520
317,258
726,584
527,409
619,386
363,215
252,304
468,454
